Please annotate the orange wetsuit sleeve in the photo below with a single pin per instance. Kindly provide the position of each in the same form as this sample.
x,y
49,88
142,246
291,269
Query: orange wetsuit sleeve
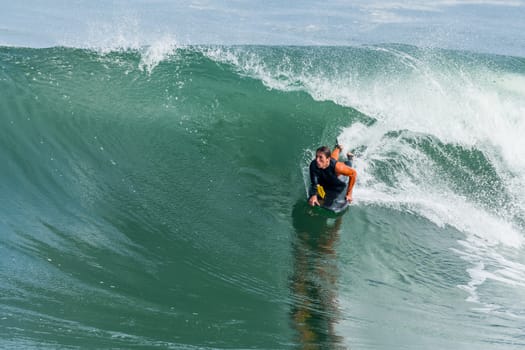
x,y
343,169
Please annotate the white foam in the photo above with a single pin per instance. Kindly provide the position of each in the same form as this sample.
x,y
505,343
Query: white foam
x,y
478,276
249,63
490,266
442,207
157,52
126,33
421,190
418,187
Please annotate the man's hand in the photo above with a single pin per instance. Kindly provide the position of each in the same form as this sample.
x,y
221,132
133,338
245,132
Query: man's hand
x,y
349,198
313,200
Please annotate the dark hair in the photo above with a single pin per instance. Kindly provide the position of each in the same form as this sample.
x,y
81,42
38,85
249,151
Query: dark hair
x,y
324,150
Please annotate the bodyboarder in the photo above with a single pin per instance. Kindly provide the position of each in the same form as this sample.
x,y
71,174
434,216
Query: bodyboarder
x,y
330,178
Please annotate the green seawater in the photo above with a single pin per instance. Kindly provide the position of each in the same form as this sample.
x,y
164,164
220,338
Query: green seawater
x,y
159,202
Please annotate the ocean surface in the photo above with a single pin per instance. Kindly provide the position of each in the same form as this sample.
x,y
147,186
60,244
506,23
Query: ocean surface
x,y
155,197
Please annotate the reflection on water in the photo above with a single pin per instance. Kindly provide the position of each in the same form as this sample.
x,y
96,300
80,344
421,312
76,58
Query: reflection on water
x,y
315,313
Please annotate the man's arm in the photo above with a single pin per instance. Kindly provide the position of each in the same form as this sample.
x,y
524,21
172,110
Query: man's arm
x,y
314,181
343,169
335,152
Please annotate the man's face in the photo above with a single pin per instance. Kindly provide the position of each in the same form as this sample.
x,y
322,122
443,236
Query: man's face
x,y
322,161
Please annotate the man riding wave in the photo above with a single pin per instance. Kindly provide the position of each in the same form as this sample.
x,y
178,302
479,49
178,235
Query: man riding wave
x,y
327,177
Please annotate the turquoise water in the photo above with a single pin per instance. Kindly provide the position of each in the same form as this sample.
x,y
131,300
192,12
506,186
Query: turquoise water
x,y
156,198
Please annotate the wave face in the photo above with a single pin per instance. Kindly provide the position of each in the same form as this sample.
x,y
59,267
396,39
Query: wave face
x,y
155,197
